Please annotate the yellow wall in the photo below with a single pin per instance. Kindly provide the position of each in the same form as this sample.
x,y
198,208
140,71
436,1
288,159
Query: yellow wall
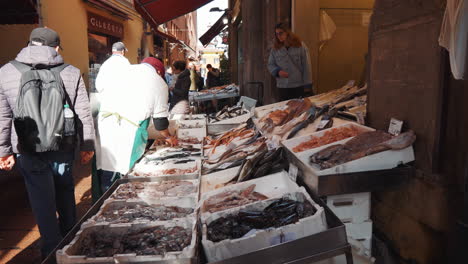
x,y
69,19
342,58
14,38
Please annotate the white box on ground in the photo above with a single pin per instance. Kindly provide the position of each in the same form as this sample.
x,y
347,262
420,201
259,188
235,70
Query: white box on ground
x,y
198,133
350,208
359,230
229,248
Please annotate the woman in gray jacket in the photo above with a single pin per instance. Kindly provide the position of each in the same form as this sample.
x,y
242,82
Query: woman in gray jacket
x,y
289,63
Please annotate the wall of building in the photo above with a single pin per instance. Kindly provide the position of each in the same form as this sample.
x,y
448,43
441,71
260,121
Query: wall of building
x,y
16,38
69,19
407,72
341,58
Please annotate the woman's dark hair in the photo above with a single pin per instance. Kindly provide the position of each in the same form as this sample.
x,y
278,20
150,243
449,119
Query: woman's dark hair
x,y
292,39
209,66
179,65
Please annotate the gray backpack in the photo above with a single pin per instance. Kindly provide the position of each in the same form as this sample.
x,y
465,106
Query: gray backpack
x,y
39,117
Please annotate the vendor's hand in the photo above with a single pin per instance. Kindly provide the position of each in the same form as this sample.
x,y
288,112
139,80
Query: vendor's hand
x,y
283,74
172,141
7,162
86,156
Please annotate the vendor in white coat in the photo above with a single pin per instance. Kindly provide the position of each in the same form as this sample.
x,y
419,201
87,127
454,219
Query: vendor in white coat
x,y
111,74
125,114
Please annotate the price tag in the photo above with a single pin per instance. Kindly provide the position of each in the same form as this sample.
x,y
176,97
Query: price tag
x,y
293,172
395,127
323,123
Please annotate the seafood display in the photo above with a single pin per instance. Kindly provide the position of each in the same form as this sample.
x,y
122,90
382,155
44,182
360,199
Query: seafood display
x,y
362,145
228,88
227,113
172,171
294,108
156,240
230,199
154,189
189,140
279,213
127,213
330,136
261,164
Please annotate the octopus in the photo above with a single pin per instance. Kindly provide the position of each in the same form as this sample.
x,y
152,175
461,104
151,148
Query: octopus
x,y
156,240
279,213
128,213
154,189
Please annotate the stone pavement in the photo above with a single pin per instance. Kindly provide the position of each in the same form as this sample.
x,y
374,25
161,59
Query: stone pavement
x,y
19,235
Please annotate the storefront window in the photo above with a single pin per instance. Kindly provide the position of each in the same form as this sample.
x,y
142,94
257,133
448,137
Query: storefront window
x,y
99,48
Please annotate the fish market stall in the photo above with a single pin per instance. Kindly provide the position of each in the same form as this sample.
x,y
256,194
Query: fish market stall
x,y
231,195
298,117
219,92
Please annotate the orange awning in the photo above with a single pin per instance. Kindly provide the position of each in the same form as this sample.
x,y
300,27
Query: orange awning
x,y
157,12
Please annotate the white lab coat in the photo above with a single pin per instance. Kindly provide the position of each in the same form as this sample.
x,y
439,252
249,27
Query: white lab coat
x,y
141,94
109,72
454,36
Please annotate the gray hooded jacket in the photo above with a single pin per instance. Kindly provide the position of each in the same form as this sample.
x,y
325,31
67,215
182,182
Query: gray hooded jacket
x,y
295,61
9,87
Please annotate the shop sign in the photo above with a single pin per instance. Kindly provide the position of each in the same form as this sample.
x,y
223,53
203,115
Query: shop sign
x,y
104,25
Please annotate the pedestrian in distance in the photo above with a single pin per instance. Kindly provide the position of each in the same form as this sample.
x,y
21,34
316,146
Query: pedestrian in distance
x,y
289,63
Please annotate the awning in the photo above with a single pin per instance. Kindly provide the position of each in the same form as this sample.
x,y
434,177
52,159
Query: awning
x,y
169,38
157,12
213,31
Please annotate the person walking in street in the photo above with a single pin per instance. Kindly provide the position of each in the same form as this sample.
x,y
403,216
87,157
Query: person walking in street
x,y
124,117
212,77
289,63
179,100
44,116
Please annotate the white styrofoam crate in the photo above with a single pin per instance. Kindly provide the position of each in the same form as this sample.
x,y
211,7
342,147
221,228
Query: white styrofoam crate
x,y
273,186
216,180
351,208
194,123
379,161
359,230
68,253
229,248
187,117
198,133
293,142
363,246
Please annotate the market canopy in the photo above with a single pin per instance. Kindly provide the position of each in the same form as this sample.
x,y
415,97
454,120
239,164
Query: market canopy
x,y
213,31
157,12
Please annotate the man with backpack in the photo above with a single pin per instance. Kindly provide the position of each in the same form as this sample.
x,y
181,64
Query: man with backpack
x,y
44,115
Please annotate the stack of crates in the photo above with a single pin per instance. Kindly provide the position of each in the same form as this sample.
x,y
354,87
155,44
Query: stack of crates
x,y
354,211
